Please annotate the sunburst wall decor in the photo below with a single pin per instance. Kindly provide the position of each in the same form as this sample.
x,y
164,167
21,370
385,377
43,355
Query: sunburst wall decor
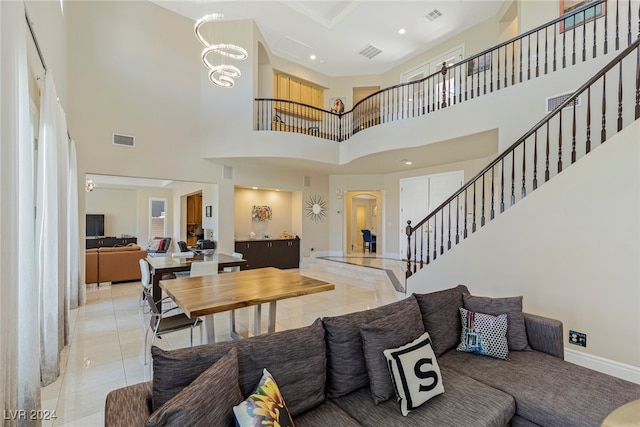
x,y
316,208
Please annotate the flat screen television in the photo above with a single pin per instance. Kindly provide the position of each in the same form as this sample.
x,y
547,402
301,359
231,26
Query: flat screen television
x,y
95,225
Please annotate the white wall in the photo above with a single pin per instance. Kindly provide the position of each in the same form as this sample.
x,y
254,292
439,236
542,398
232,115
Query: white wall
x,y
120,209
281,207
571,248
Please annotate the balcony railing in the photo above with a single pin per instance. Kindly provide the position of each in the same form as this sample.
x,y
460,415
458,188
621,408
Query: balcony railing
x,y
572,38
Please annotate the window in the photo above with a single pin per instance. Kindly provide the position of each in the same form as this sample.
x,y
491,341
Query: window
x,y
158,220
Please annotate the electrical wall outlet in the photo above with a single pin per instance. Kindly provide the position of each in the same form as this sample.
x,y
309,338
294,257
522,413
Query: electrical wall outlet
x,y
578,338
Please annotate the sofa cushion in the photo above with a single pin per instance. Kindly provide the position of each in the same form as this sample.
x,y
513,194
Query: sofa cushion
x,y
388,332
120,248
208,400
441,317
265,406
346,368
548,390
484,334
325,414
295,357
512,307
415,373
466,403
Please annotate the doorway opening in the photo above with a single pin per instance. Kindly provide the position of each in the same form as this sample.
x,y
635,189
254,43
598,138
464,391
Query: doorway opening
x,y
363,212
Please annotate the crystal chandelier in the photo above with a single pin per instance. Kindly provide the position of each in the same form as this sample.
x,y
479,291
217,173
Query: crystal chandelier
x,y
221,75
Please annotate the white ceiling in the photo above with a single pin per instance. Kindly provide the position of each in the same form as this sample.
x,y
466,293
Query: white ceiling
x,y
335,31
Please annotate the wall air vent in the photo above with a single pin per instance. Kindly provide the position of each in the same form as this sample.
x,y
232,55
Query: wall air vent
x,y
433,15
553,101
124,140
369,51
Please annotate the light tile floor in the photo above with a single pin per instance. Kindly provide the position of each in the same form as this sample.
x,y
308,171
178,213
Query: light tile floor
x,y
107,340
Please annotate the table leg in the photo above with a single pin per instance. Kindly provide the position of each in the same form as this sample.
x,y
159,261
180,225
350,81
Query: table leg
x,y
210,328
156,291
271,326
232,325
257,319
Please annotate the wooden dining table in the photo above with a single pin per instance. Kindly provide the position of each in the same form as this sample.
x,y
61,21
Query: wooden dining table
x,y
160,266
206,295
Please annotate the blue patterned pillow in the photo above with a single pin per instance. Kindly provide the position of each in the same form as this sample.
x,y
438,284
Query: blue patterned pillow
x,y
484,334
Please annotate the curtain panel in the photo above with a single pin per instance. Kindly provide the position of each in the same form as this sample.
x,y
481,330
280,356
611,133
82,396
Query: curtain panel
x,y
51,230
19,348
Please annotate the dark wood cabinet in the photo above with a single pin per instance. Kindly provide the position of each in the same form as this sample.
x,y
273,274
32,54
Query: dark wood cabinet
x,y
279,253
100,242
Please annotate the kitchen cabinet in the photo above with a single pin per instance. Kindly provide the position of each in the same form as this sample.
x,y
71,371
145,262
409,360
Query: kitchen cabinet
x,y
194,217
279,253
194,209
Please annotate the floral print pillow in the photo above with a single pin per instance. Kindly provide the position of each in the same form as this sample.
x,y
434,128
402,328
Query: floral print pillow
x,y
264,407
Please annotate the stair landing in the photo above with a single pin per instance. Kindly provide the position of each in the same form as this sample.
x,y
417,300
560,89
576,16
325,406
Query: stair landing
x,y
369,269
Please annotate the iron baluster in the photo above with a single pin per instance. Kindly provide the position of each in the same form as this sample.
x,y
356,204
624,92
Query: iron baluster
x,y
560,142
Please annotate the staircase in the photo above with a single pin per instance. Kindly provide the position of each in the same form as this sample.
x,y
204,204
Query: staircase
x,y
610,100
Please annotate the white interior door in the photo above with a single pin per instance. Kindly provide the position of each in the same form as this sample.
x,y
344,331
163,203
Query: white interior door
x,y
414,205
420,195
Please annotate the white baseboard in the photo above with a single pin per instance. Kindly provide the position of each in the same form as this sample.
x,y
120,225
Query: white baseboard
x,y
600,364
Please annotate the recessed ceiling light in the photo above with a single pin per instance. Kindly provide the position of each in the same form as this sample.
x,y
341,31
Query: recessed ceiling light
x,y
405,161
254,188
312,57
402,31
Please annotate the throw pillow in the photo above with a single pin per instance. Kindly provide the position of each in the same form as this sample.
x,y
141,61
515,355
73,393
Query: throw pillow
x,y
389,332
154,244
346,368
484,334
415,372
441,317
207,401
265,406
512,307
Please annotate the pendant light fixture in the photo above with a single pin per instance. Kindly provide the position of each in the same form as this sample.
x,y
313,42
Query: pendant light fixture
x,y
223,74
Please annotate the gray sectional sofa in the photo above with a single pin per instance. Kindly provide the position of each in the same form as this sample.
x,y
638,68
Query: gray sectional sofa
x,y
329,373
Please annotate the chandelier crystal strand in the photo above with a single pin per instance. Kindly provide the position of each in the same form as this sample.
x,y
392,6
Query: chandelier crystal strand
x,y
221,75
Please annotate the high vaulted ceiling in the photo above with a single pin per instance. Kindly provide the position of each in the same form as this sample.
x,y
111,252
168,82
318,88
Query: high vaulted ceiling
x,y
336,31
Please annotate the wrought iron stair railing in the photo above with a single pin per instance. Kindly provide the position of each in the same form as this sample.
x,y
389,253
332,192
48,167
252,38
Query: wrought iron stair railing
x,y
563,136
567,40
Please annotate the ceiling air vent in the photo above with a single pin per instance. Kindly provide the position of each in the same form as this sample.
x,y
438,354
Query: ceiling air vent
x,y
433,15
370,51
553,101
124,140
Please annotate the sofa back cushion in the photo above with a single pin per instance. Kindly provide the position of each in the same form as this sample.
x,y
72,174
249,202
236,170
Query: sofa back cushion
x,y
512,307
295,357
346,368
388,332
131,248
441,317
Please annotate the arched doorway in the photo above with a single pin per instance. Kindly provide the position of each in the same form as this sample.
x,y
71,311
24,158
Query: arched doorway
x,y
364,211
